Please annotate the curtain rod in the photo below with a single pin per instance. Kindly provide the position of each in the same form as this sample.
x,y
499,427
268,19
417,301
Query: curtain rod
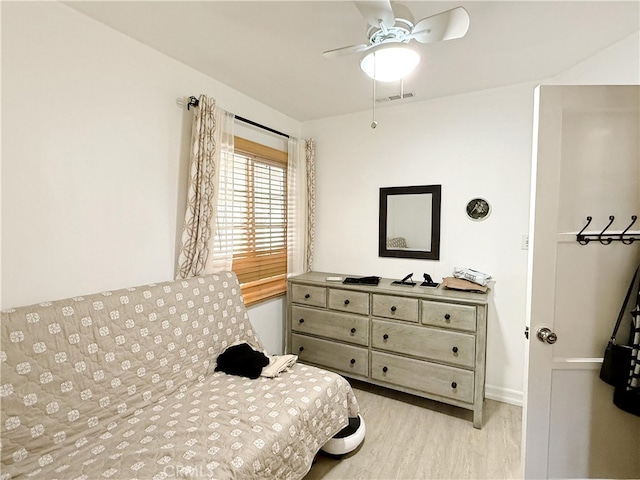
x,y
193,102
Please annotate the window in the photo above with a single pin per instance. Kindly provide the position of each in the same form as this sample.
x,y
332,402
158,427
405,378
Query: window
x,y
259,225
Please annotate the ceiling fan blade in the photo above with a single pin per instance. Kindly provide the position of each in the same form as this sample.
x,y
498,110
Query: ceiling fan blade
x,y
446,25
339,52
377,11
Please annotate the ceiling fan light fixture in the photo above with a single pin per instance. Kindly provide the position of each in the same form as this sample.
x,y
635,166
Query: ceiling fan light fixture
x,y
389,62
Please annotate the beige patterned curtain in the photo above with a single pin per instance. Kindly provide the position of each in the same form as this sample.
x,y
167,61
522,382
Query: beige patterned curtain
x,y
300,206
209,132
310,159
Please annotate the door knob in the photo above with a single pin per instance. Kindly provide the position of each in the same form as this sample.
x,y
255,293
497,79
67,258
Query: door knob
x,y
546,335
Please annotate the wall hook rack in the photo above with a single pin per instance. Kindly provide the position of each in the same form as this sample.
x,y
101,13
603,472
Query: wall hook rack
x,y
624,237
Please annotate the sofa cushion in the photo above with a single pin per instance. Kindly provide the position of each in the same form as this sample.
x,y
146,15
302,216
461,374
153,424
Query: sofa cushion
x,y
221,428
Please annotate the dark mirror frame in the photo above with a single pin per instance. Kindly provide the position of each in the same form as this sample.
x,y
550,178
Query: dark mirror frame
x,y
434,252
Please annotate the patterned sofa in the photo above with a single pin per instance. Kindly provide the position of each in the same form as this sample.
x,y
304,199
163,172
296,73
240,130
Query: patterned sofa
x,y
122,385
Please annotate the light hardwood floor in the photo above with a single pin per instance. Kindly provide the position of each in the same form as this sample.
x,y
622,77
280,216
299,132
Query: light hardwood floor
x,y
408,437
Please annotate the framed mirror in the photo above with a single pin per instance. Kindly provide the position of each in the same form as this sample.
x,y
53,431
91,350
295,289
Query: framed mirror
x,y
409,224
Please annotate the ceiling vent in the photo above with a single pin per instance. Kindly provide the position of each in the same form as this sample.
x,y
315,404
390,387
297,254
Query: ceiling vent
x,y
394,97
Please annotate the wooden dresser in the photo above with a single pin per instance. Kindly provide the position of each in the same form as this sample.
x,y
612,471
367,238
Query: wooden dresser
x,y
425,341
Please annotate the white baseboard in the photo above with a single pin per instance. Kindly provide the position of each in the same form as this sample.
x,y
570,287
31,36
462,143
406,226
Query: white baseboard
x,y
505,395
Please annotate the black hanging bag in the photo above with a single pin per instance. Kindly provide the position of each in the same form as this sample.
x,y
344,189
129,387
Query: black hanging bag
x,y
617,358
615,364
626,396
627,399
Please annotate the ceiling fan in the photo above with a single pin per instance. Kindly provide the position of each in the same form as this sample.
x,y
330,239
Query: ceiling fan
x,y
388,55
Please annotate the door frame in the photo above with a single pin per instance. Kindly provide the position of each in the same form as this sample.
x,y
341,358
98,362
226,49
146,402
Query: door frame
x,y
540,283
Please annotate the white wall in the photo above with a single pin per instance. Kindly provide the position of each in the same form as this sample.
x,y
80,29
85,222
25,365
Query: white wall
x,y
473,145
95,157
617,65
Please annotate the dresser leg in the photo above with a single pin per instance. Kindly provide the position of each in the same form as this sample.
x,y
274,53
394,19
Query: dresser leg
x,y
477,416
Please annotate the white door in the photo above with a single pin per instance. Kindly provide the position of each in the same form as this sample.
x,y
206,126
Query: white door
x,y
586,163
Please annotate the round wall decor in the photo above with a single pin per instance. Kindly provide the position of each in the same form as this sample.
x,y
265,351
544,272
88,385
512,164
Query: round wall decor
x,y
478,209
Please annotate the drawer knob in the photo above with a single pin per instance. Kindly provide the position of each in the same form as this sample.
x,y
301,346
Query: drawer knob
x,y
301,349
385,337
346,302
307,295
301,320
454,349
447,316
384,369
454,385
353,330
353,360
393,308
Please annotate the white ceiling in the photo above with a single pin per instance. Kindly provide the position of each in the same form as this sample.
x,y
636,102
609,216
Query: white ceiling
x,y
272,51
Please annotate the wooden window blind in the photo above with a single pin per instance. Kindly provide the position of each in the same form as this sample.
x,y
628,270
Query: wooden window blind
x,y
259,220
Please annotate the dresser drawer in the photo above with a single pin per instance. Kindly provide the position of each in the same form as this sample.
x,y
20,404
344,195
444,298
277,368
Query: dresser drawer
x,y
439,345
308,295
345,358
341,326
400,308
348,301
441,380
440,314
